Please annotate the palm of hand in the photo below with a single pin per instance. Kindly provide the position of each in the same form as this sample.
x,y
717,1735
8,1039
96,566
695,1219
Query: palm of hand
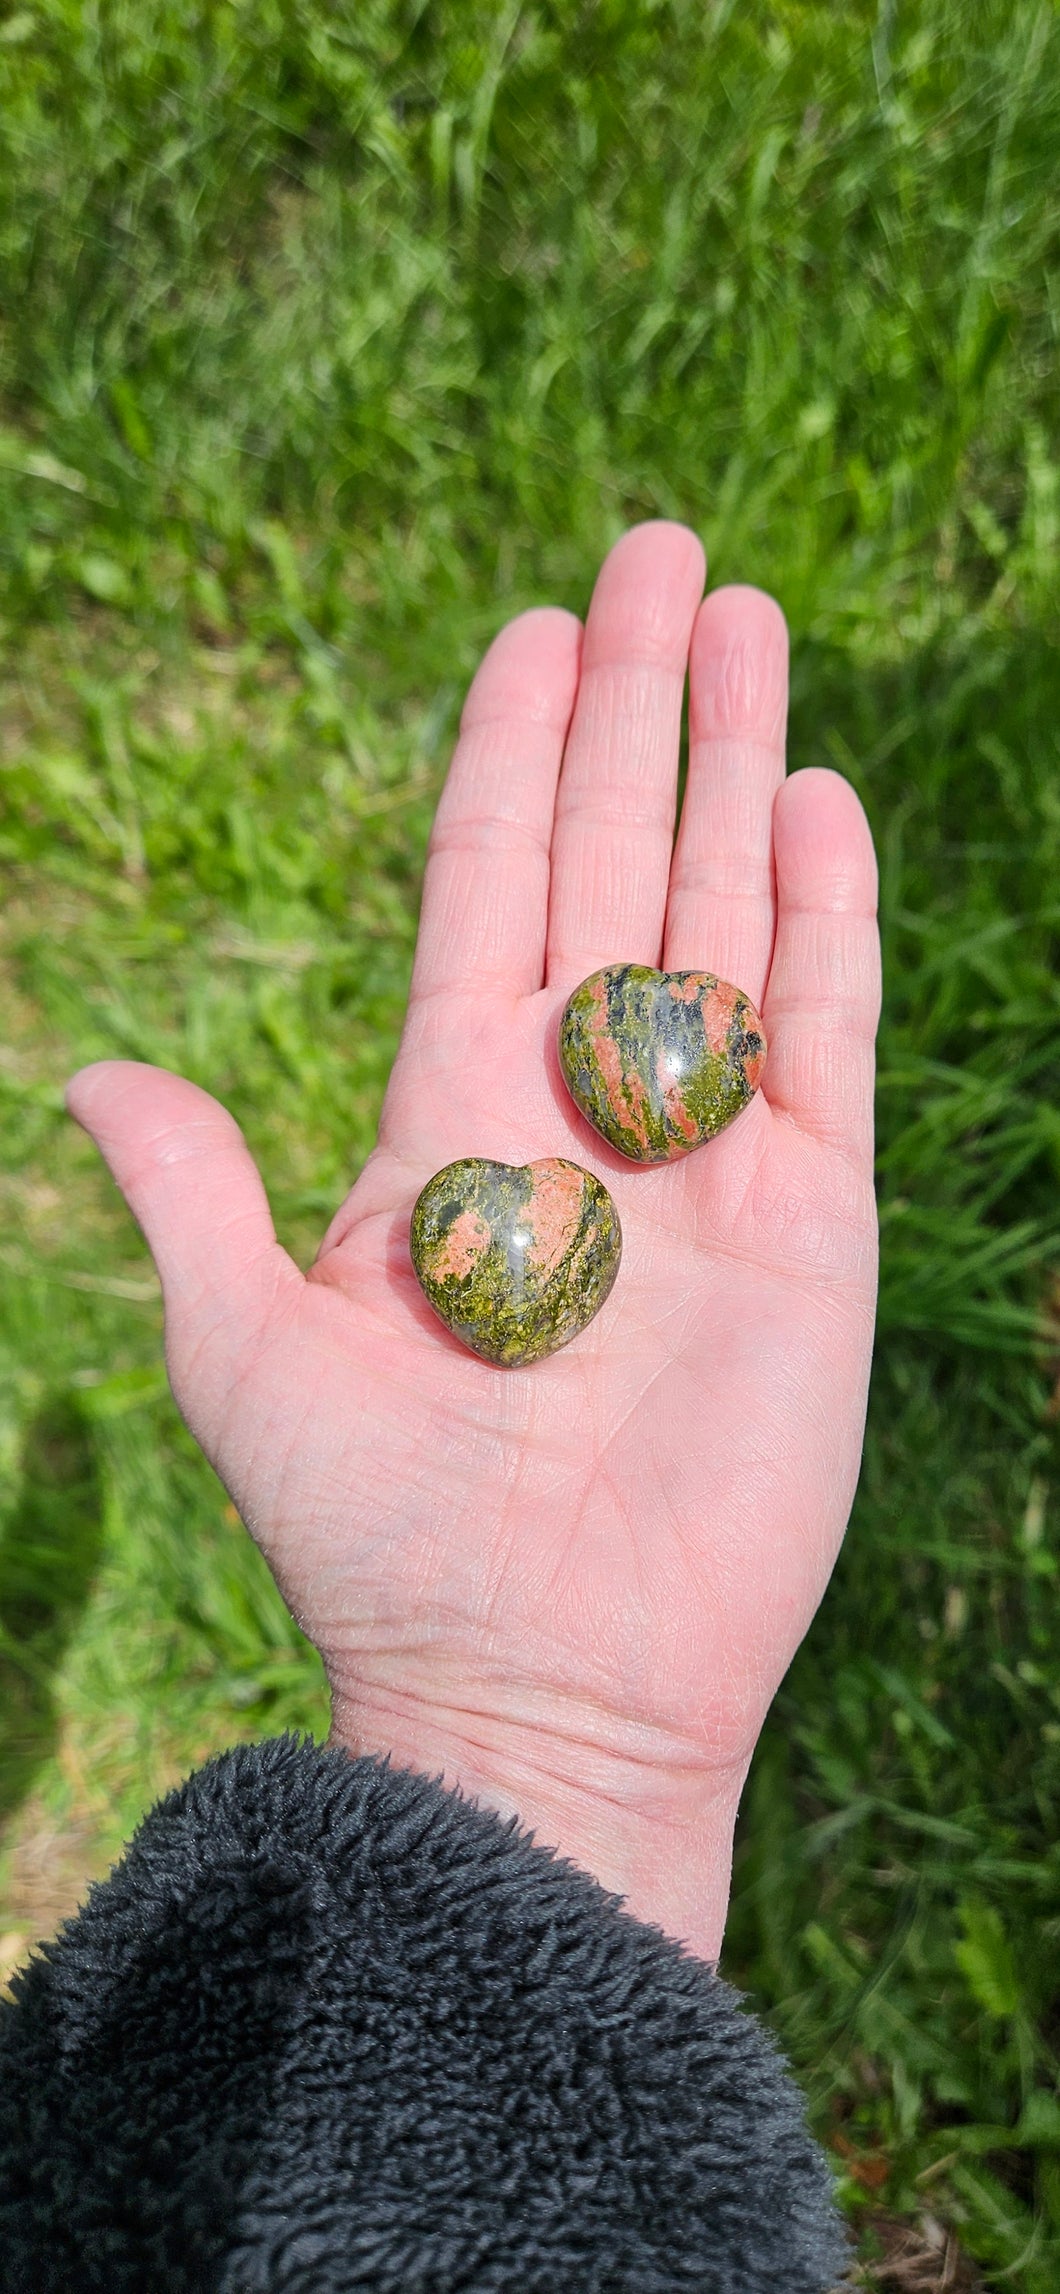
x,y
573,1587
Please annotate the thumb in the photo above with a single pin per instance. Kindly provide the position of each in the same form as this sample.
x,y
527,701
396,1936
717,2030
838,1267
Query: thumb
x,y
185,1171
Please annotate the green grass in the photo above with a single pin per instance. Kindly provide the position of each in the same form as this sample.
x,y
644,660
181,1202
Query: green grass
x,y
332,336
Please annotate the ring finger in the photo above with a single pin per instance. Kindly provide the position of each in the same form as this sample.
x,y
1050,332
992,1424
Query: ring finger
x,y
722,906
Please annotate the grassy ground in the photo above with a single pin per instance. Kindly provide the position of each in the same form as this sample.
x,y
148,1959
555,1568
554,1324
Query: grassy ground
x,y
331,337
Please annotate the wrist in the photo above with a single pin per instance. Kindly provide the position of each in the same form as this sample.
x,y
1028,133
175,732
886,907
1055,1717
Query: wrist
x,y
651,1819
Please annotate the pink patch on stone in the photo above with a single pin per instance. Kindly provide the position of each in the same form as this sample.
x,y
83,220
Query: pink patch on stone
x,y
685,991
461,1247
753,1067
553,1211
719,1011
637,1105
626,1095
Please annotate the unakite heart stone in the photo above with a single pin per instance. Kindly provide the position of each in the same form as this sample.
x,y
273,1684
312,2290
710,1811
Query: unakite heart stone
x,y
660,1061
516,1259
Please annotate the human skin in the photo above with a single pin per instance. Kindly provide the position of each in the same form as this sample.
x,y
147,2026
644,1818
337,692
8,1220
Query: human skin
x,y
570,1589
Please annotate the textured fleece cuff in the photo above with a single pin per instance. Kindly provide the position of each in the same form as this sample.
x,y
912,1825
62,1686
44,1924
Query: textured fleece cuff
x,y
330,2027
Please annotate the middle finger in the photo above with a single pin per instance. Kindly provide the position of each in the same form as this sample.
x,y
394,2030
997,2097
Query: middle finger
x,y
613,834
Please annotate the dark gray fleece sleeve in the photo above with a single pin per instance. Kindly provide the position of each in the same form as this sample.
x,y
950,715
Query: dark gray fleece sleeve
x,y
330,2027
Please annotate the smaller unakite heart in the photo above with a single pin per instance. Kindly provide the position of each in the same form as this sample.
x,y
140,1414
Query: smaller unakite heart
x,y
660,1061
516,1259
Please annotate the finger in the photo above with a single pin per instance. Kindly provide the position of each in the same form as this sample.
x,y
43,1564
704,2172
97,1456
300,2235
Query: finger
x,y
613,838
721,909
485,891
822,1003
183,1167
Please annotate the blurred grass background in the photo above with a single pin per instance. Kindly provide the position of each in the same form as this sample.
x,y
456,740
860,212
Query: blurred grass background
x,y
330,337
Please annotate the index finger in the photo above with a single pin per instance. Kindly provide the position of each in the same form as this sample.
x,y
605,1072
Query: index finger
x,y
485,891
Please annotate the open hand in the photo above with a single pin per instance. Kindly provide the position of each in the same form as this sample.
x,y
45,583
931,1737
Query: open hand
x,y
571,1588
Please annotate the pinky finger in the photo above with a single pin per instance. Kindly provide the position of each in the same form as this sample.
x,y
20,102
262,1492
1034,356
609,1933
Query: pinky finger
x,y
822,1003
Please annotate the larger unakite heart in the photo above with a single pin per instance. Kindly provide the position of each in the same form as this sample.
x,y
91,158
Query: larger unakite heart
x,y
660,1061
516,1259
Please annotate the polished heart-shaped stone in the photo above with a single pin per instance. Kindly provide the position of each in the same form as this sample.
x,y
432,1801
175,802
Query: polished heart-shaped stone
x,y
660,1061
516,1259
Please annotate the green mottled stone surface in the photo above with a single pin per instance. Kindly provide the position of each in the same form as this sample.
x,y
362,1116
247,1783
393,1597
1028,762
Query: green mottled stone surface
x,y
660,1061
516,1259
